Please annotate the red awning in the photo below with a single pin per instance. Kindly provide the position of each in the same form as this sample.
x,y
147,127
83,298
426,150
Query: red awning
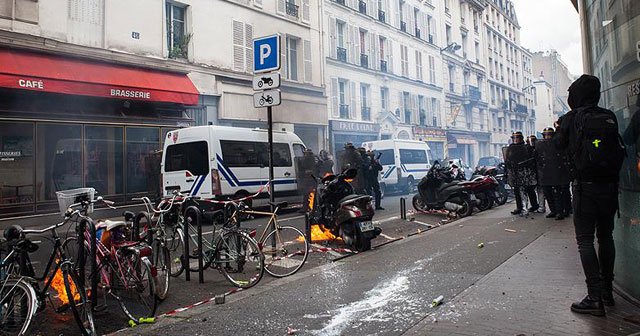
x,y
39,72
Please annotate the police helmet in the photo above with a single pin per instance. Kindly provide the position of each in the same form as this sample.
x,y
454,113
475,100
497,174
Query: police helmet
x,y
548,130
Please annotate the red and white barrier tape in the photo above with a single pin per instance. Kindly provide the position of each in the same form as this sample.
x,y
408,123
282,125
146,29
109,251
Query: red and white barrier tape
x,y
328,249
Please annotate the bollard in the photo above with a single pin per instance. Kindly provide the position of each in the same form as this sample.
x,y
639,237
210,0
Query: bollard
x,y
83,225
403,208
193,210
307,227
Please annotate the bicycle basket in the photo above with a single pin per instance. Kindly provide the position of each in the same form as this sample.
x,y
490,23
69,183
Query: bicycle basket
x,y
72,196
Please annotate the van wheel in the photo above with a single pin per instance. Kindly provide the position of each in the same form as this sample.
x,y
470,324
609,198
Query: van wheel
x,y
383,189
241,194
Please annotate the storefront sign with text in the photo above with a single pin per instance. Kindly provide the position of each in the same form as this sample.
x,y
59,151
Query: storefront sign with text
x,y
346,126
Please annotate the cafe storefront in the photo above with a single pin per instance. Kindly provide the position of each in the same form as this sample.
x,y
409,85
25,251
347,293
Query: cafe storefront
x,y
68,123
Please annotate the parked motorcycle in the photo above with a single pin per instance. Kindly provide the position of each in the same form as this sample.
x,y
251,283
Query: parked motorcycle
x,y
347,215
485,187
438,190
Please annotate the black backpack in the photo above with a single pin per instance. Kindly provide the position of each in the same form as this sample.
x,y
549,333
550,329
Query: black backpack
x,y
599,151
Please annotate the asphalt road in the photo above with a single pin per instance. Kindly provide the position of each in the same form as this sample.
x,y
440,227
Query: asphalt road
x,y
183,293
382,292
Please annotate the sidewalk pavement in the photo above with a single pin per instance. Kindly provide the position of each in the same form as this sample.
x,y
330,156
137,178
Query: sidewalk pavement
x,y
530,294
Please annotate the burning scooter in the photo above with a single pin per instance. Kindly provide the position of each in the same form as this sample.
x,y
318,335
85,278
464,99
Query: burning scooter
x,y
334,205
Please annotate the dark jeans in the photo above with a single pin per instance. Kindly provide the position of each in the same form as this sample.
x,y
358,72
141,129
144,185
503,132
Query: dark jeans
x,y
531,193
550,196
373,189
595,205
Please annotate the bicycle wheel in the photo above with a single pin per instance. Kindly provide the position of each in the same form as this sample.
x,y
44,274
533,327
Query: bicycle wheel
x,y
175,244
162,261
289,253
135,287
18,305
238,257
78,301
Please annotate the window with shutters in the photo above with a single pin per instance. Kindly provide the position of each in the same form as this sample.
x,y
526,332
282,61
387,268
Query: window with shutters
x,y
242,46
343,86
308,69
22,10
404,58
432,70
177,37
419,65
384,98
292,57
364,102
406,104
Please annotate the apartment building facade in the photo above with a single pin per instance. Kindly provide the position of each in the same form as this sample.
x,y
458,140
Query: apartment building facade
x,y
128,72
383,71
465,74
507,105
550,65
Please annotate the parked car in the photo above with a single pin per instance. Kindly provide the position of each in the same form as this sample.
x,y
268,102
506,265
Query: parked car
x,y
491,161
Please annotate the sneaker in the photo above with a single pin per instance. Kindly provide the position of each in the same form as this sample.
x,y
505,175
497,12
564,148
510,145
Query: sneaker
x,y
516,212
589,305
551,215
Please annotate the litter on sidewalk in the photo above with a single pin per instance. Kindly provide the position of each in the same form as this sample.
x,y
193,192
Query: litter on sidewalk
x,y
510,230
437,301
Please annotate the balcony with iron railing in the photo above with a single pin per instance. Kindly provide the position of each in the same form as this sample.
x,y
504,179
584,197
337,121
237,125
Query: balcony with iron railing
x,y
342,54
383,66
342,2
430,39
344,111
403,26
292,9
364,60
452,87
417,30
362,7
472,93
381,16
366,113
520,108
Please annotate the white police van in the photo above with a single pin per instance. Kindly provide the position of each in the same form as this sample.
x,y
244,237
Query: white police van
x,y
228,162
404,162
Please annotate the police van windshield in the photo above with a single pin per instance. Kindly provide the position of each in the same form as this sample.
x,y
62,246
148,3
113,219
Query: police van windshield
x,y
191,156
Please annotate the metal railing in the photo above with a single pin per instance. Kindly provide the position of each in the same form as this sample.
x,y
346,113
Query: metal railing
x,y
344,111
403,26
292,9
366,113
362,7
342,54
381,16
383,66
417,32
364,60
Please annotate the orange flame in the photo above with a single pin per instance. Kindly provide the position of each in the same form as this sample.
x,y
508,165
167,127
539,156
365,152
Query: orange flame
x,y
312,197
320,233
58,285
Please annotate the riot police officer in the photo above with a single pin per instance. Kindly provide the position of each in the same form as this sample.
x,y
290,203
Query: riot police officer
x,y
373,186
520,165
553,175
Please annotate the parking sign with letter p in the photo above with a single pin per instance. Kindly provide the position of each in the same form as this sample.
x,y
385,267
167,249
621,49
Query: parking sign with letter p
x,y
266,54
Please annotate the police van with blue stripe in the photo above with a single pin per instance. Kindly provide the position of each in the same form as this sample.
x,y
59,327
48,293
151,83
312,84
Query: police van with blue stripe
x,y
220,162
404,163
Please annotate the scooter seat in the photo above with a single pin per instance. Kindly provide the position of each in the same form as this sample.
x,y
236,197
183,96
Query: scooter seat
x,y
110,225
351,198
447,185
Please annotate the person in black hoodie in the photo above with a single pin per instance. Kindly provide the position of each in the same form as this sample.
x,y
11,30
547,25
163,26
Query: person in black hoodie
x,y
588,133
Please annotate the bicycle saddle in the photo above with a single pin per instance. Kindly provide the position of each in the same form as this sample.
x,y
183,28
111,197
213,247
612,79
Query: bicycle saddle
x,y
128,216
280,205
110,225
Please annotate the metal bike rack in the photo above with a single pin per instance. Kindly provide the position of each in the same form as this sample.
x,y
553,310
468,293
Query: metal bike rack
x,y
403,208
80,229
187,259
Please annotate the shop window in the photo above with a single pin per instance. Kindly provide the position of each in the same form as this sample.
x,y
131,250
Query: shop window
x,y
59,164
16,166
103,164
142,144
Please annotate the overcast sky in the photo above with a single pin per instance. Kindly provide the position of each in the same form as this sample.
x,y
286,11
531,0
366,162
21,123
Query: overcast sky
x,y
551,24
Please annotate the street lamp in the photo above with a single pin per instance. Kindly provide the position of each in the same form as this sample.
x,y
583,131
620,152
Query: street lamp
x,y
452,48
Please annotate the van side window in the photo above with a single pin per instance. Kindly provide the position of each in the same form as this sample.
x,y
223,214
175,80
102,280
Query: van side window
x,y
298,150
241,154
191,156
409,156
386,157
254,154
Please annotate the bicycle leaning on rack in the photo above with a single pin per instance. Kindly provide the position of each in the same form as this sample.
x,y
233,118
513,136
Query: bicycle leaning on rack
x,y
230,250
21,295
285,247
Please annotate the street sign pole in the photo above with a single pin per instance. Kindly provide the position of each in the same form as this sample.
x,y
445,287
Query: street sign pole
x,y
270,122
